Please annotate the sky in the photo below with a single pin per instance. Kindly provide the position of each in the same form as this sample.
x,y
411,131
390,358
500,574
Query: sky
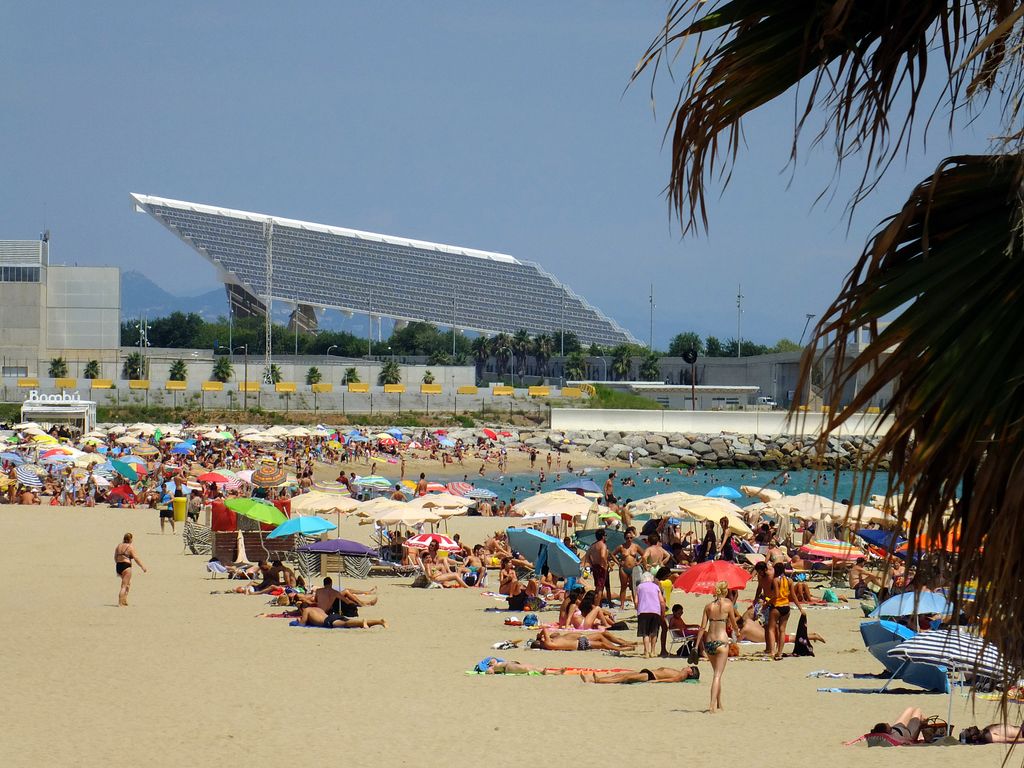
x,y
501,126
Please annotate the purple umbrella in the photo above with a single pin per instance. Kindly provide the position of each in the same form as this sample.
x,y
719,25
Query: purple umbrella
x,y
338,547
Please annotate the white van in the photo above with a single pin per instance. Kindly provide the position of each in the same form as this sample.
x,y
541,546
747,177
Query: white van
x,y
767,402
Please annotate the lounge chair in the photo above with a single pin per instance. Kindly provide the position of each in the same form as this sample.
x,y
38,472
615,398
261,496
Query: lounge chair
x,y
197,539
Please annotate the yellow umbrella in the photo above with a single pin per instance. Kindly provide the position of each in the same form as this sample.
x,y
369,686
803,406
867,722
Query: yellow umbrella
x,y
88,460
764,494
334,445
44,439
714,510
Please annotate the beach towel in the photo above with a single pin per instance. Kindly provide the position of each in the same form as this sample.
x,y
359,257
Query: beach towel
x,y
284,615
801,643
315,626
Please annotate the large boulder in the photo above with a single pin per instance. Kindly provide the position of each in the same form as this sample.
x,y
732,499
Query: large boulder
x,y
598,447
700,447
634,441
648,461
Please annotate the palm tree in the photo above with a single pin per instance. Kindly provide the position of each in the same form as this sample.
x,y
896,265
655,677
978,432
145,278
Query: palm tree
x,y
543,349
622,363
178,371
428,377
58,368
649,368
521,346
575,366
134,366
351,376
942,273
92,370
481,347
313,375
390,373
275,373
501,348
223,370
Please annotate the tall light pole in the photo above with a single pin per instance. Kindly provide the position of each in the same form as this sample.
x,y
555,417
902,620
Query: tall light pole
x,y
562,333
810,316
369,321
245,386
453,329
739,318
650,343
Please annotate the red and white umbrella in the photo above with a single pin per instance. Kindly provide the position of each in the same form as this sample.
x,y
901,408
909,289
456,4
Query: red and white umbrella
x,y
433,487
424,540
459,489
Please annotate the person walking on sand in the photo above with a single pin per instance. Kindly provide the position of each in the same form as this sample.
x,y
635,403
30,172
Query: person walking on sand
x,y
124,555
715,627
650,608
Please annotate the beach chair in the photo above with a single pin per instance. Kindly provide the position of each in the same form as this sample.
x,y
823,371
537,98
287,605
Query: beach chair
x,y
681,639
197,539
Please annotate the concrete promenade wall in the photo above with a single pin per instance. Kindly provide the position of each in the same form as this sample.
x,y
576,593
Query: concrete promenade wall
x,y
708,422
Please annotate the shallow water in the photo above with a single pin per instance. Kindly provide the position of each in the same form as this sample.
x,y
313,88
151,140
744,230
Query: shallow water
x,y
650,482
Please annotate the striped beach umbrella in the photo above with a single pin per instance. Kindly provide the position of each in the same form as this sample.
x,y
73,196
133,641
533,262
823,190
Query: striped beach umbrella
x,y
424,540
481,493
12,458
269,475
459,489
831,549
372,481
29,474
146,450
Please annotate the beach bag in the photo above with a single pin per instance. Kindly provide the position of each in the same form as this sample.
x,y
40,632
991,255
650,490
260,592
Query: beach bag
x,y
530,620
830,596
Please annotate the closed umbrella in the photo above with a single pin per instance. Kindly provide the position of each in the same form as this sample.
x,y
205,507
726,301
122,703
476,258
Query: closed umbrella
x,y
542,549
307,525
254,509
704,577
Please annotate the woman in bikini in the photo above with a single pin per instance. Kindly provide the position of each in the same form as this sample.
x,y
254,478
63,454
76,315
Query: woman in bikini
x,y
716,626
124,555
553,640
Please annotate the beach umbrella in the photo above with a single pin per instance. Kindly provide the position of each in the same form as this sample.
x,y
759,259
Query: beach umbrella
x,y
914,603
713,510
126,470
424,540
13,458
321,501
213,477
171,439
704,577
489,434
255,509
307,525
954,650
44,439
182,448
888,540
59,458
459,488
357,438
61,450
26,425
133,460
481,494
925,543
661,505
269,475
763,494
446,442
339,547
724,492
28,474
580,485
128,440
378,506
334,445
613,539
146,450
387,440
372,481
395,432
406,515
245,475
542,549
441,501
831,549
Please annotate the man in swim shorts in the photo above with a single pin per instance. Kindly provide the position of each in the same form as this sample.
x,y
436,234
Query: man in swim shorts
x,y
597,559
656,675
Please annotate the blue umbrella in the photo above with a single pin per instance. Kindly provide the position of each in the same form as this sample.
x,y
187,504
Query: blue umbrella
x,y
724,492
395,433
134,460
310,525
446,442
542,549
181,448
910,603
580,484
356,438
13,458
339,547
882,539
481,493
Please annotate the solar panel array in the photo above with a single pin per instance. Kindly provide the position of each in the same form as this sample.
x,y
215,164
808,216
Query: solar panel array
x,y
384,276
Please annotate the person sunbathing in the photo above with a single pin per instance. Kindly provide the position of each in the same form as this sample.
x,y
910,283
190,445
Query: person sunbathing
x,y
906,729
495,666
656,675
330,600
752,631
997,733
437,573
508,584
594,616
313,616
553,640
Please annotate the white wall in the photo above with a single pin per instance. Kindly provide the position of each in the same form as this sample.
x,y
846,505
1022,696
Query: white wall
x,y
707,422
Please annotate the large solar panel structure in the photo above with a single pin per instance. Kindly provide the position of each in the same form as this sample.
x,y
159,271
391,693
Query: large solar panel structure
x,y
263,258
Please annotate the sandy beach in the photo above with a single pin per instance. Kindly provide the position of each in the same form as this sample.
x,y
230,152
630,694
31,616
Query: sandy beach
x,y
198,679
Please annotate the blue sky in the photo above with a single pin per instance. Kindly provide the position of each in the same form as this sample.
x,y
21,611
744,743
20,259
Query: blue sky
x,y
501,126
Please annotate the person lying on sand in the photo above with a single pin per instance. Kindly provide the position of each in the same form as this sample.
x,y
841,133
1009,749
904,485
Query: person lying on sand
x,y
330,600
495,666
752,631
311,615
906,729
997,733
556,640
656,675
438,573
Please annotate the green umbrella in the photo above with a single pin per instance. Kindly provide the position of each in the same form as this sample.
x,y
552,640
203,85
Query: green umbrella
x,y
126,470
254,509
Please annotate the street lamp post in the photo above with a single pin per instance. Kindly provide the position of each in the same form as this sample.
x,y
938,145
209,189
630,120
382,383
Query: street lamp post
x,y
604,370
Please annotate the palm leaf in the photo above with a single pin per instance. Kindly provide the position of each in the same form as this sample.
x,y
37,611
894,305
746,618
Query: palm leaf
x,y
860,61
949,270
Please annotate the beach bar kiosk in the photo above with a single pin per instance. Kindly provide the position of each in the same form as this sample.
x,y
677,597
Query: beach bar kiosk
x,y
66,408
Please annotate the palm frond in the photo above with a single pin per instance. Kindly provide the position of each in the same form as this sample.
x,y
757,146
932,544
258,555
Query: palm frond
x,y
949,267
858,59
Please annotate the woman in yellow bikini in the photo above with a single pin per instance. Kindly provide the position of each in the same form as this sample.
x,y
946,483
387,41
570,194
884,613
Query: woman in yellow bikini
x,y
716,626
778,617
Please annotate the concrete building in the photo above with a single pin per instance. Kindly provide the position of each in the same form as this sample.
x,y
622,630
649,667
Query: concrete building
x,y
49,311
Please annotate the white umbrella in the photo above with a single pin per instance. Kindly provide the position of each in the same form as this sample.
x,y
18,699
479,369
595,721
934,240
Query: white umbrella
x,y
662,505
764,494
320,501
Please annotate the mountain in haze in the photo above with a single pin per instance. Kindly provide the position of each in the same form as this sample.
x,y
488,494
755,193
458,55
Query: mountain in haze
x,y
141,296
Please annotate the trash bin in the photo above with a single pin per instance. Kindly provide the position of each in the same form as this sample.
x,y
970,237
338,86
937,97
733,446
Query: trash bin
x,y
180,507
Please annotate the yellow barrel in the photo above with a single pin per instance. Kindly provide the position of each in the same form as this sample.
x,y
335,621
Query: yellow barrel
x,y
180,506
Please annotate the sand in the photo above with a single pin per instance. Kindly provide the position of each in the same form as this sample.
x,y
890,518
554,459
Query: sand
x,y
184,677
